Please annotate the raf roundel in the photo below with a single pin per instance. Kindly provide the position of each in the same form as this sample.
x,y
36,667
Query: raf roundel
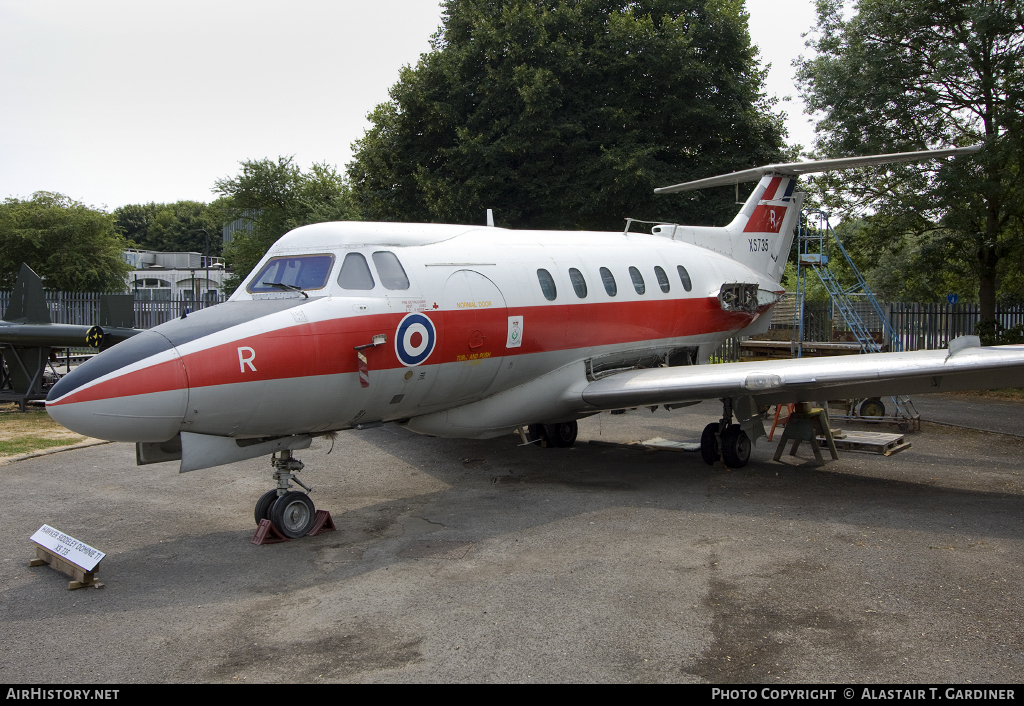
x,y
415,339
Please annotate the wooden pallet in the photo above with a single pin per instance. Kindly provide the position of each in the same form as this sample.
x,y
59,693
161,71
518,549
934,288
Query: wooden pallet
x,y
871,442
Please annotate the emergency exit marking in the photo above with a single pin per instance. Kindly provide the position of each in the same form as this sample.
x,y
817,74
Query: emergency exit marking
x,y
68,548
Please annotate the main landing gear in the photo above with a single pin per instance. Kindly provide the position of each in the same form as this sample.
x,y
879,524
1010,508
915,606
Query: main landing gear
x,y
726,441
291,512
561,435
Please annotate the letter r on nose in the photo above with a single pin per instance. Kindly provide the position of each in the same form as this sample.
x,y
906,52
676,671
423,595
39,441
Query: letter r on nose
x,y
244,360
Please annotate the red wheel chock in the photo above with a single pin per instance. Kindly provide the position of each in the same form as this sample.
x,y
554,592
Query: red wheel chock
x,y
266,533
321,523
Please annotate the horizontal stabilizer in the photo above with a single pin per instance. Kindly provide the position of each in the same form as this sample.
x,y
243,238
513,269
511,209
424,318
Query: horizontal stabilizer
x,y
821,165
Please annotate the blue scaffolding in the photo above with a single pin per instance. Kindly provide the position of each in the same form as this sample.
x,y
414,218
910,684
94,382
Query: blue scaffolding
x,y
816,242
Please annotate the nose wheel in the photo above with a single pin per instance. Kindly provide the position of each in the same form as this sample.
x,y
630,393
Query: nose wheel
x,y
292,513
263,505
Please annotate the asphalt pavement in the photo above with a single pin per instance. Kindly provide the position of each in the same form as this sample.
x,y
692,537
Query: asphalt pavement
x,y
488,561
972,412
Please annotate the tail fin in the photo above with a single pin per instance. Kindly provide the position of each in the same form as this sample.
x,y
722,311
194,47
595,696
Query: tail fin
x,y
761,234
28,301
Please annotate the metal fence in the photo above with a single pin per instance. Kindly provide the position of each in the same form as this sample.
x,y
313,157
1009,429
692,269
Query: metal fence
x,y
917,326
83,308
932,326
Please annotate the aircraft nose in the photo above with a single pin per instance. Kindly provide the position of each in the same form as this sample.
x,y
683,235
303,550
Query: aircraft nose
x,y
135,391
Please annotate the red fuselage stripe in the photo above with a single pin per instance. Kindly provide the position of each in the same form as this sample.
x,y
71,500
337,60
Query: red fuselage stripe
x,y
327,347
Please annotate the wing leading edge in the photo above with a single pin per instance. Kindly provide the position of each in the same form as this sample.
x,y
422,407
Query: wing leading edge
x,y
965,366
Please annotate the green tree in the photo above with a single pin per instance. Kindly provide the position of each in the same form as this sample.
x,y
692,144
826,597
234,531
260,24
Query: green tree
x,y
567,114
911,74
171,227
277,196
74,248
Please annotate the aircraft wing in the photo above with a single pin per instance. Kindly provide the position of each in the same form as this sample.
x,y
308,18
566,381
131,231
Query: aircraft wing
x,y
965,366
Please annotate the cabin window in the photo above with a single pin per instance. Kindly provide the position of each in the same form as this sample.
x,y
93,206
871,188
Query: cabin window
x,y
547,285
355,273
609,282
662,279
578,283
296,272
638,280
389,269
684,277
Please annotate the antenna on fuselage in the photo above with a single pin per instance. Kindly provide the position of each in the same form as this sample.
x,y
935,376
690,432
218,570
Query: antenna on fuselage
x,y
490,218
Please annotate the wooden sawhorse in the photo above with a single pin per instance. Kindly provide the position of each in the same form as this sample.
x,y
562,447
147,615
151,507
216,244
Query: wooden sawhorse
x,y
806,424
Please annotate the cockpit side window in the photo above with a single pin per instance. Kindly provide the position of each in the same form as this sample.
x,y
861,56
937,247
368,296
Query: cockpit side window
x,y
355,273
389,269
305,272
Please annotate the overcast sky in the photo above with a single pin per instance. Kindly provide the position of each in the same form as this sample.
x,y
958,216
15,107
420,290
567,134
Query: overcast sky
x,y
120,101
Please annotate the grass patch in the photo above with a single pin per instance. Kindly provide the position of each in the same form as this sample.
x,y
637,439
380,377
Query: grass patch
x,y
28,444
32,430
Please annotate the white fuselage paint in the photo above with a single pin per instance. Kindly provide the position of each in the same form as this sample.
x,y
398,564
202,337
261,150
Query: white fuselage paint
x,y
321,403
296,372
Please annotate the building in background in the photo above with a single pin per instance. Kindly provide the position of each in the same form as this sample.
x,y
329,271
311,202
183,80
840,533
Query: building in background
x,y
246,221
178,276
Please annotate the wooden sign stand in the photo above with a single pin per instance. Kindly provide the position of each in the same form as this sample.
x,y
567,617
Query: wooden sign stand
x,y
82,578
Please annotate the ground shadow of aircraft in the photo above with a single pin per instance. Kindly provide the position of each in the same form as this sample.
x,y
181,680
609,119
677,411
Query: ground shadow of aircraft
x,y
28,337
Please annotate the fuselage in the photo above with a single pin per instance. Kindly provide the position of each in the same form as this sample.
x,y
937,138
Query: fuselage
x,y
468,313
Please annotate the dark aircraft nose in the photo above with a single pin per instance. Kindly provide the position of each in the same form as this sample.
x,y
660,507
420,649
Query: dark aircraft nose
x,y
135,391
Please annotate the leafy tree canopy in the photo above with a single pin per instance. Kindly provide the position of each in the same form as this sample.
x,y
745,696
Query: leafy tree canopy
x,y
567,114
172,227
74,248
275,197
923,267
913,74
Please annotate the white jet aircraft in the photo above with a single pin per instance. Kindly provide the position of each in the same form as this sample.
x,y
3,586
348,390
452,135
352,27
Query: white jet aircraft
x,y
464,331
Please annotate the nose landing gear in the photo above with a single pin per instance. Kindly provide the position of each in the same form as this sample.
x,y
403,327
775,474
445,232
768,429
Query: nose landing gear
x,y
292,513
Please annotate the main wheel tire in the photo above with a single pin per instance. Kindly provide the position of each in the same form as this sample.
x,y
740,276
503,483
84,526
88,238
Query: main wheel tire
x,y
872,408
562,435
263,505
735,446
293,514
709,448
536,433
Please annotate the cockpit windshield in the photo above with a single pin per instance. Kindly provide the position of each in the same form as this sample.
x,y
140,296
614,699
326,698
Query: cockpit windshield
x,y
298,272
